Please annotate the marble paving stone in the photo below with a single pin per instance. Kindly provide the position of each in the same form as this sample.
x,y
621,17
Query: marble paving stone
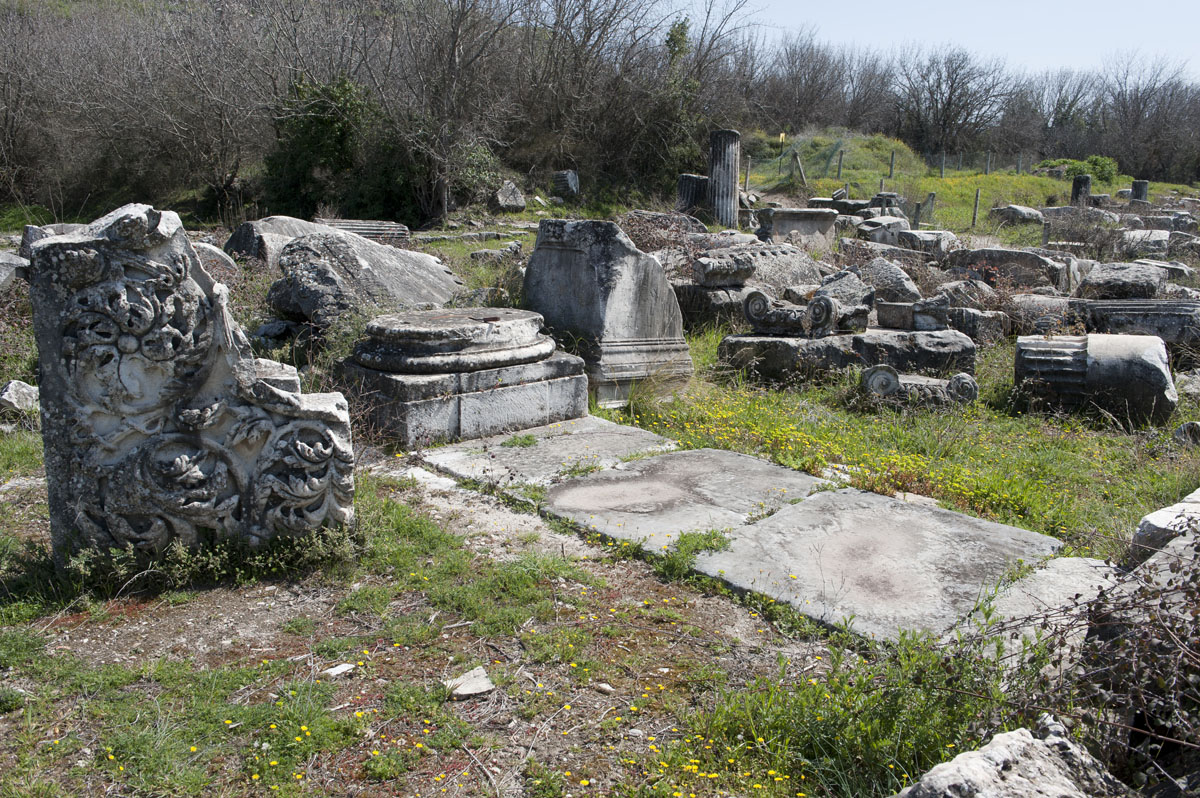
x,y
885,564
652,501
582,443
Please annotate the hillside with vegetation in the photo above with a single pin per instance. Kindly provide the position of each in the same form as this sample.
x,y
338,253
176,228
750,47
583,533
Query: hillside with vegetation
x,y
242,109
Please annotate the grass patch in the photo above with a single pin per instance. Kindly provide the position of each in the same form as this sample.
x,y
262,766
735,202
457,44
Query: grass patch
x,y
20,454
302,626
866,721
676,564
519,441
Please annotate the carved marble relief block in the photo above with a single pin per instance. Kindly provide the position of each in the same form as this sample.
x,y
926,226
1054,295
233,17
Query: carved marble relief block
x,y
159,423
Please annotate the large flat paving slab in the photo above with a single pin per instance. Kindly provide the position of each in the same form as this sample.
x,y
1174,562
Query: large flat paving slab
x,y
558,451
652,501
884,564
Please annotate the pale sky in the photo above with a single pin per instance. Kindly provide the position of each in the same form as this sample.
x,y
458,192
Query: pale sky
x,y
1033,35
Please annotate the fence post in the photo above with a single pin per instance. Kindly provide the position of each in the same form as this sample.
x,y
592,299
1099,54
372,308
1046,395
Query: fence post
x,y
841,154
975,213
749,163
916,222
987,169
881,185
797,165
892,166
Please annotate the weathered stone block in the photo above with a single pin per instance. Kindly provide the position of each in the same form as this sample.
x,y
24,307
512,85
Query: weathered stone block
x,y
430,376
594,287
883,564
891,283
1136,243
1127,376
326,276
159,423
1017,214
808,228
777,358
1017,764
1017,267
507,199
417,410
883,229
1122,281
18,397
559,449
932,242
265,238
702,306
9,264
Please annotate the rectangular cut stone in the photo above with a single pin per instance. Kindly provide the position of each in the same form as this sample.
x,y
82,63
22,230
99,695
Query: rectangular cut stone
x,y
895,315
883,229
421,409
777,358
582,443
807,228
881,563
1176,322
653,501
702,306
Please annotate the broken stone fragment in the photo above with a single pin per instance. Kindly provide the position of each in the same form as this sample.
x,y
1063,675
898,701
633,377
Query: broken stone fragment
x,y
18,397
1126,376
1017,764
507,199
329,275
891,283
159,423
473,683
613,302
337,670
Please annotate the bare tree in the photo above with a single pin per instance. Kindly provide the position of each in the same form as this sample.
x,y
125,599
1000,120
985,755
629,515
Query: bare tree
x,y
946,99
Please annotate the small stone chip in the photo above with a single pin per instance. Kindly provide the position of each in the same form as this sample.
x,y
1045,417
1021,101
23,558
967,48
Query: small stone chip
x,y
472,683
337,670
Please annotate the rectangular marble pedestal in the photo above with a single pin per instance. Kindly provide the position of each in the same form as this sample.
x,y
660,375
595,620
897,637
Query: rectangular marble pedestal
x,y
420,409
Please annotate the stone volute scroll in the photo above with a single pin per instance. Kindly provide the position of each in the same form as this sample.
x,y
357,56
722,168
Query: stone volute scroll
x,y
159,423
818,319
886,384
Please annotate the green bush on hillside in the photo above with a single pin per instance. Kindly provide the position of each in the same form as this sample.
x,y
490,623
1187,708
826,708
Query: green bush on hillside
x,y
1102,169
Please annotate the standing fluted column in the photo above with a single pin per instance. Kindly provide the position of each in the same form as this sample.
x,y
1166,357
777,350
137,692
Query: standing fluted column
x,y
724,165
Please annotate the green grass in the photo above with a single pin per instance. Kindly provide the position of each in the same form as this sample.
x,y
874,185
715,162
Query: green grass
x,y
676,564
20,454
865,721
1078,479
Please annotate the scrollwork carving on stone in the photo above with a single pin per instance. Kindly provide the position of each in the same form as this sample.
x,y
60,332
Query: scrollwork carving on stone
x,y
886,384
821,317
156,423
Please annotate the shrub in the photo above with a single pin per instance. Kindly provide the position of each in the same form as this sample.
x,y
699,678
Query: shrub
x,y
1101,168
